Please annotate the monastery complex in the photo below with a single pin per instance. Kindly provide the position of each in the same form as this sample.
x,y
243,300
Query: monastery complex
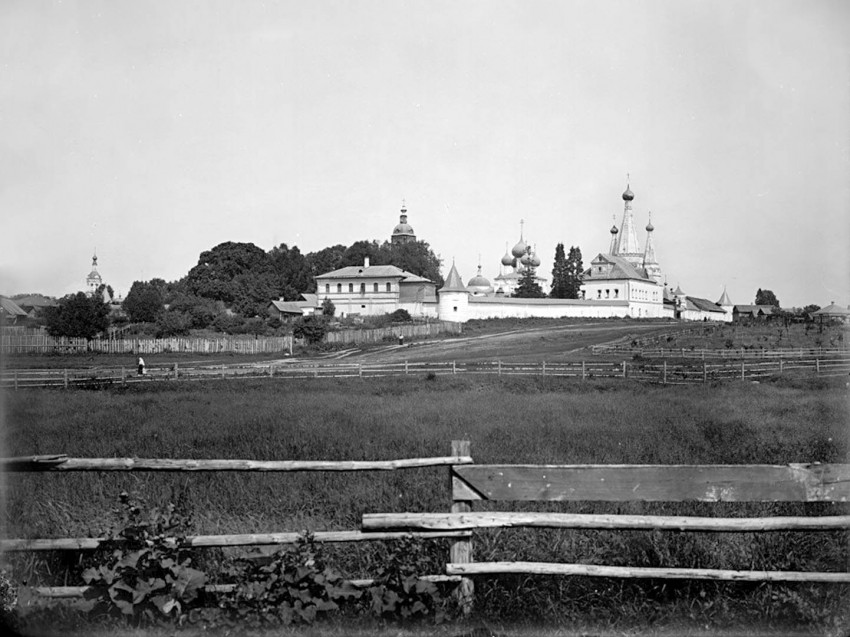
x,y
625,281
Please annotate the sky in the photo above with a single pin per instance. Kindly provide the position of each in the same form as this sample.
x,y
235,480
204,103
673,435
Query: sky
x,y
153,131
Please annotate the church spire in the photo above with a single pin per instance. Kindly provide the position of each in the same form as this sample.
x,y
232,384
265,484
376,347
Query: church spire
x,y
627,242
650,262
613,248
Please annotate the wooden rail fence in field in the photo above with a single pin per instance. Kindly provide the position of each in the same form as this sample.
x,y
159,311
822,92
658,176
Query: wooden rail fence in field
x,y
473,483
664,372
724,353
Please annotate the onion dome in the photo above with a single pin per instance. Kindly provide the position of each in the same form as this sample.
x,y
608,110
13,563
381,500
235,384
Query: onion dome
x,y
614,229
628,195
479,283
649,226
507,259
519,249
526,259
535,260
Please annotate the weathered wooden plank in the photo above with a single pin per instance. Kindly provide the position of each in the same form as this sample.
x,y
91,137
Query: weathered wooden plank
x,y
544,568
245,539
478,520
461,550
62,463
673,483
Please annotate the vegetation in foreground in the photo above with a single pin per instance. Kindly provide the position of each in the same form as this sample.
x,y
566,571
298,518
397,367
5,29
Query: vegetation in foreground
x,y
524,420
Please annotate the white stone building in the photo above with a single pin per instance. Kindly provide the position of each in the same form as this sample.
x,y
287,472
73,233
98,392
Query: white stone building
x,y
370,290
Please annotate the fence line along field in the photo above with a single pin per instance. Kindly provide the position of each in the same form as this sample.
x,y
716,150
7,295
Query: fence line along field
x,y
512,420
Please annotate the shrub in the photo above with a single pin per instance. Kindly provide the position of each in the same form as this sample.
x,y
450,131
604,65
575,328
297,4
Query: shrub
x,y
172,323
312,328
400,316
295,586
142,571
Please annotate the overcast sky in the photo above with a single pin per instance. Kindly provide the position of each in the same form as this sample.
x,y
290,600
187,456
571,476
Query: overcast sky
x,y
152,131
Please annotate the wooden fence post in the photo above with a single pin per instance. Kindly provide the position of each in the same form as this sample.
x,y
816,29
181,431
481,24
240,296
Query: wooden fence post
x,y
743,368
624,369
360,370
454,367
16,380
780,365
123,376
500,367
175,371
704,371
817,366
583,373
664,373
461,551
544,368
405,367
66,379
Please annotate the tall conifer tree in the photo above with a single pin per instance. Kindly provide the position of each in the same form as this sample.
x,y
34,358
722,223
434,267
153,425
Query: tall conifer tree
x,y
560,280
574,269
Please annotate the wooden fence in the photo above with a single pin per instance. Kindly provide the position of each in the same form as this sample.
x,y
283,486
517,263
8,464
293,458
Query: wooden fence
x,y
664,372
406,330
726,353
473,483
11,343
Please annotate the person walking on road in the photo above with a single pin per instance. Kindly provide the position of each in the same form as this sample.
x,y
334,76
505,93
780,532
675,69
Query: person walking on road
x,y
141,364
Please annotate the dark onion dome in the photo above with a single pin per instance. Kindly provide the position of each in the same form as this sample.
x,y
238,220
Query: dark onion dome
x,y
650,227
526,259
507,259
519,249
479,282
614,230
535,261
403,228
628,195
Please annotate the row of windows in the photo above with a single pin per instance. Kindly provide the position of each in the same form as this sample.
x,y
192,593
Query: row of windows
x,y
608,294
375,288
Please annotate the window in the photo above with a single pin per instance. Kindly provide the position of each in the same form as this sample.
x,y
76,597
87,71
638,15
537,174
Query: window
x,y
327,288
616,293
350,288
455,308
362,288
607,293
339,288
375,287
389,287
598,294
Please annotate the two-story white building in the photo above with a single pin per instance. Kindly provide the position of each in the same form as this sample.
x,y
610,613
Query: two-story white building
x,y
370,290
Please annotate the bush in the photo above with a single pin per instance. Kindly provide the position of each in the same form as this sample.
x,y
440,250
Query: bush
x,y
312,328
400,316
172,323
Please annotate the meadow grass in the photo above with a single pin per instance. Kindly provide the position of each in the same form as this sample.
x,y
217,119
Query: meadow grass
x,y
519,420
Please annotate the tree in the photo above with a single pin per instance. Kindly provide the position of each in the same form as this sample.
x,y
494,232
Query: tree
x,y
78,315
766,297
528,287
144,302
294,275
326,260
574,269
560,284
413,256
328,308
172,323
239,274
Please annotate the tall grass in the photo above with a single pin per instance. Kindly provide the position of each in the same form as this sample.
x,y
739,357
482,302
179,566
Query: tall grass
x,y
518,420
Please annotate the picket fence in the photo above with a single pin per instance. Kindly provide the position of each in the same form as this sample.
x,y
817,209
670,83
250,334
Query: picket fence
x,y
11,343
473,483
663,372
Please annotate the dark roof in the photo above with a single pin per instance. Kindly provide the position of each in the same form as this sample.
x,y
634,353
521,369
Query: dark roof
x,y
705,305
287,307
453,282
832,310
767,310
372,272
621,269
8,306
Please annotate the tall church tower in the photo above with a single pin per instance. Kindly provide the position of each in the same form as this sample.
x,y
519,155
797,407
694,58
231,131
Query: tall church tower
x,y
650,262
93,280
627,245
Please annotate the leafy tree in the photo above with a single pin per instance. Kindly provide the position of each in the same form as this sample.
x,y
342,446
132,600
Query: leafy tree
x,y
413,256
239,274
201,311
328,308
560,285
766,297
528,287
357,252
574,270
78,315
173,323
326,260
810,309
311,328
144,302
400,316
294,275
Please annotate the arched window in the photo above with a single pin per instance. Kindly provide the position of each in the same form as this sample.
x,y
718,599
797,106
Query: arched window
x,y
375,287
389,287
327,288
339,288
350,288
362,288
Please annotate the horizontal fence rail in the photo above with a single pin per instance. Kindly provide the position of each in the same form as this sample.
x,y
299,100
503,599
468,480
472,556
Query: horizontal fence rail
x,y
722,353
665,372
11,343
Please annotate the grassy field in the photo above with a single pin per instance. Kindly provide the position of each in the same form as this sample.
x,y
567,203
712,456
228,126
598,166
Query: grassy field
x,y
521,420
